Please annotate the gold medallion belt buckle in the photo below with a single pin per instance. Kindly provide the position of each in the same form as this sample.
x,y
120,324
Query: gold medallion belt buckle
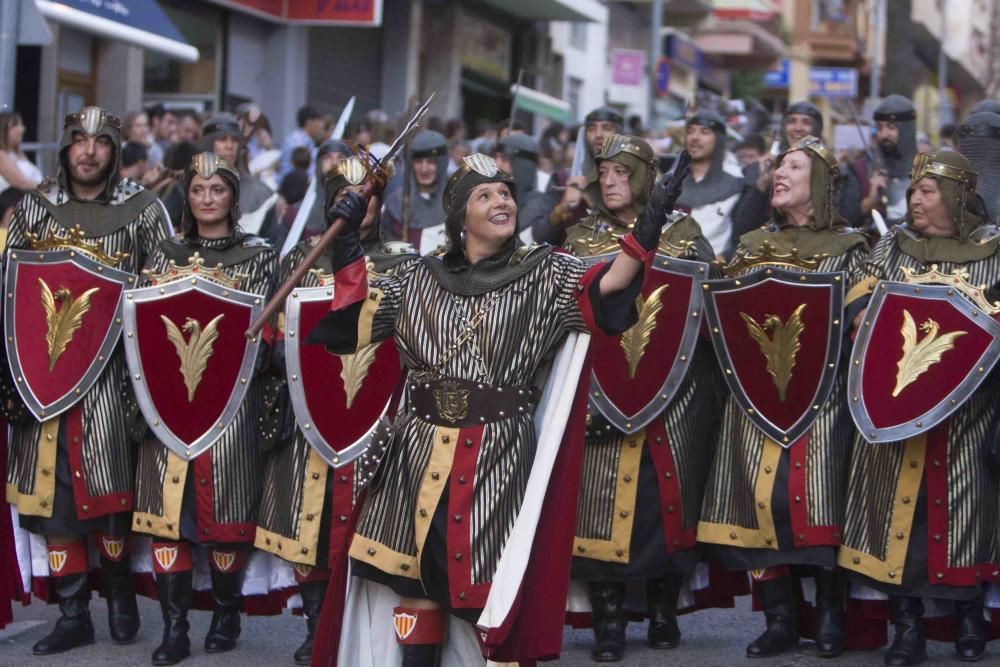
x,y
452,401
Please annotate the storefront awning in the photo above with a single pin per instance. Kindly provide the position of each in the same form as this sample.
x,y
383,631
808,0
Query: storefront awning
x,y
535,102
139,22
552,10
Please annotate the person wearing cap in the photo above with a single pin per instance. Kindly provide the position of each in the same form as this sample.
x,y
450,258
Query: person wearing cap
x,y
978,139
446,533
221,134
710,194
97,499
750,470
921,512
427,173
290,508
883,185
628,532
166,504
570,189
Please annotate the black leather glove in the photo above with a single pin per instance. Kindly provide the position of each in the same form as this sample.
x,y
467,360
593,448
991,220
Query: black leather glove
x,y
661,203
347,246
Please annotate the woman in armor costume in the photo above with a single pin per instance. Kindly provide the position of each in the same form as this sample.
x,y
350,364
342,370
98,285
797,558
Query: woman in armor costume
x,y
752,516
171,500
920,514
301,491
638,532
475,327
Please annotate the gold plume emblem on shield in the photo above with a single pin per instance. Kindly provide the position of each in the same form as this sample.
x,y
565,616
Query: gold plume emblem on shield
x,y
194,352
354,370
635,340
918,356
781,348
63,320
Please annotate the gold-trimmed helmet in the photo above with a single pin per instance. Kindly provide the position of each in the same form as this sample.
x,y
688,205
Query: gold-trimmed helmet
x,y
824,182
476,169
207,165
95,122
956,179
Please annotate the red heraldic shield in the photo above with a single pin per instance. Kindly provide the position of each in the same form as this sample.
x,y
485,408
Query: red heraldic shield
x,y
62,322
338,400
635,375
777,335
189,359
921,352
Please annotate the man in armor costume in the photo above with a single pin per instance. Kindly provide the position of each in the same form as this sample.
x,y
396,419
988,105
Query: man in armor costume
x,y
627,532
221,134
920,512
979,141
882,186
212,500
800,120
795,492
300,490
328,156
449,506
710,193
86,489
517,154
427,173
567,188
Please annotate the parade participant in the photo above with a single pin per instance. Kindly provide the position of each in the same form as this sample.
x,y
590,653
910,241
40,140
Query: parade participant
x,y
221,135
711,194
625,531
328,156
88,208
572,204
428,174
796,491
920,512
448,508
211,501
979,141
800,120
517,154
291,510
883,185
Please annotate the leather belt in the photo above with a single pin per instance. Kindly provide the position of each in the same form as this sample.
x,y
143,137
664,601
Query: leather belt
x,y
462,403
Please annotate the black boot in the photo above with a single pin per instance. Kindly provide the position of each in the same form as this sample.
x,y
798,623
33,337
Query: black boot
x,y
312,593
661,604
970,640
608,600
421,655
175,601
225,627
778,600
74,627
123,612
831,591
909,647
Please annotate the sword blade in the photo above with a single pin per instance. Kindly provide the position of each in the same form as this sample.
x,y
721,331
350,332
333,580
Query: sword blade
x,y
345,115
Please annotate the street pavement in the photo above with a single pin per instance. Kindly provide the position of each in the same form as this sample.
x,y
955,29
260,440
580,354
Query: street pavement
x,y
715,637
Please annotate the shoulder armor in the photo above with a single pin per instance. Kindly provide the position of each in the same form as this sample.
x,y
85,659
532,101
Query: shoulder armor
x,y
523,252
984,234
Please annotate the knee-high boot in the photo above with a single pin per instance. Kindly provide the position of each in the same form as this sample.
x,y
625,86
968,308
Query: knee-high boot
x,y
607,600
661,601
778,598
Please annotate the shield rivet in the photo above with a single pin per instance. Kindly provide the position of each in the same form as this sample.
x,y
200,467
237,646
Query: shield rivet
x,y
291,334
749,411
137,376
694,314
684,357
981,369
295,378
728,372
715,329
156,422
194,281
920,424
830,365
163,291
307,426
100,357
256,301
128,296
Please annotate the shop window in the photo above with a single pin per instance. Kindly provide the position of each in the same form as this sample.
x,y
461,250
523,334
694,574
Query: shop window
x,y
188,84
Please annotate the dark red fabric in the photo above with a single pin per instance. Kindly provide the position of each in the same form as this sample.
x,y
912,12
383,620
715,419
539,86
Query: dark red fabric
x,y
351,284
533,629
171,557
671,503
111,547
631,247
66,559
583,298
227,560
769,573
804,534
463,592
209,530
936,471
87,506
308,573
427,628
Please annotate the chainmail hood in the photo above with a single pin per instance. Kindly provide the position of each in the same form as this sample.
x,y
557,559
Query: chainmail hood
x,y
901,111
207,165
717,184
95,122
804,108
522,151
424,212
979,141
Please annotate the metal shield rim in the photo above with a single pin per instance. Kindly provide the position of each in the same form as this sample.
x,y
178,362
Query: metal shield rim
x,y
155,293
834,280
943,409
689,340
96,369
296,391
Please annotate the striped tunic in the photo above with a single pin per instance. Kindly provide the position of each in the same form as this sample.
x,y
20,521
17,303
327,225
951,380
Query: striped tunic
x,y
520,328
100,441
751,511
655,478
921,513
227,479
301,492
